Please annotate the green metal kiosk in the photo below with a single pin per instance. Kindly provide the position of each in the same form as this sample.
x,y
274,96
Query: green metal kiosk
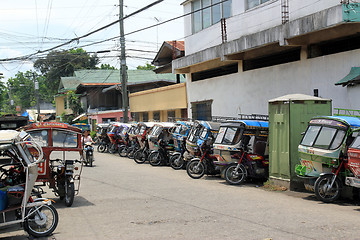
x,y
289,116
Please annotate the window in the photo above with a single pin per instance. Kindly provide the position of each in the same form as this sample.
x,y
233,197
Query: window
x,y
145,116
65,102
212,12
156,116
272,60
40,137
171,115
254,3
215,72
201,110
323,137
64,139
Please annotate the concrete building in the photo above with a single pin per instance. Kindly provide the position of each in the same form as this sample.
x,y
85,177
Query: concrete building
x,y
241,53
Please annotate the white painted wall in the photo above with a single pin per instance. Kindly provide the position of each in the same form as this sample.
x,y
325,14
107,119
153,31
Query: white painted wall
x,y
230,98
244,22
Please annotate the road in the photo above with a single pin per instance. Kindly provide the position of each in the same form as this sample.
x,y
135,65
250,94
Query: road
x,y
120,199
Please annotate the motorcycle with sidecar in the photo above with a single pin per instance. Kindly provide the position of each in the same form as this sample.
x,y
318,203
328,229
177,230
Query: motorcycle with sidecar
x,y
62,147
141,155
161,143
241,150
180,134
20,202
324,155
199,145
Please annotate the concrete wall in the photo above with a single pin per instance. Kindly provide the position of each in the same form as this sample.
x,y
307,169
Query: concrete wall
x,y
59,103
165,98
244,22
230,98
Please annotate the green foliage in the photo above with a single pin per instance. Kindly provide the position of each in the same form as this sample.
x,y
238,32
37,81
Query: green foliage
x,y
59,64
107,66
74,102
21,89
146,67
67,118
93,134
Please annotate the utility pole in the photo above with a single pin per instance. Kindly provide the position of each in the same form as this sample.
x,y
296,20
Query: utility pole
x,y
123,71
36,83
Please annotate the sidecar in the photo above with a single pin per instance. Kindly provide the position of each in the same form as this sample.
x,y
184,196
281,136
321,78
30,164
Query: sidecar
x,y
62,147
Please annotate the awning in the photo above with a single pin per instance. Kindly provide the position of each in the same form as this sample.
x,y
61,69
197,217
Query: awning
x,y
351,78
80,116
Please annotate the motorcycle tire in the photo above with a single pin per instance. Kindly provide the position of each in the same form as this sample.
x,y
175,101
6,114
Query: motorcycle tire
x,y
42,222
131,153
69,194
176,161
195,169
140,156
155,159
112,148
91,160
233,176
101,148
123,151
323,193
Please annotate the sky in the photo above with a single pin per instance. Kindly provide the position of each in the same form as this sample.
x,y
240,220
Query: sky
x,y
29,26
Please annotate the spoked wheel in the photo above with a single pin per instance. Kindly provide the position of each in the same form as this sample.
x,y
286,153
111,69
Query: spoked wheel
x,y
155,158
123,152
131,152
195,169
324,192
176,161
101,148
140,156
112,148
41,221
235,174
69,194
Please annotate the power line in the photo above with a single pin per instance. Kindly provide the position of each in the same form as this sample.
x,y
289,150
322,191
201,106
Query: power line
x,y
84,36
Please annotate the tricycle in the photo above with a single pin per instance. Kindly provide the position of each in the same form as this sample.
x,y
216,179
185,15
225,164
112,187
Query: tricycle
x,y
20,202
323,153
180,134
141,155
160,143
60,142
241,150
199,144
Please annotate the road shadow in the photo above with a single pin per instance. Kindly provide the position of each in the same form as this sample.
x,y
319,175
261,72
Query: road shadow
x,y
79,201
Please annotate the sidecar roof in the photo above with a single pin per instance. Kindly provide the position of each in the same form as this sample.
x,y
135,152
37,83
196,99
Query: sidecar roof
x,y
8,136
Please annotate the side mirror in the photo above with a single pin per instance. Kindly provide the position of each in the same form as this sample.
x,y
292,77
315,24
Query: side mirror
x,y
303,133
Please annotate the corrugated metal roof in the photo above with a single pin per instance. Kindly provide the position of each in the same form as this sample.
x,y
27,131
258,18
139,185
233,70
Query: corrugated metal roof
x,y
112,77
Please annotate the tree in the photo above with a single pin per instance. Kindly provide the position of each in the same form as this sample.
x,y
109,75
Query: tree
x,y
74,102
59,64
146,67
107,66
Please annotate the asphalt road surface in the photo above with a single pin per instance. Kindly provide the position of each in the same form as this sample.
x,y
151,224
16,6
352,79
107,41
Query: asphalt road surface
x,y
120,199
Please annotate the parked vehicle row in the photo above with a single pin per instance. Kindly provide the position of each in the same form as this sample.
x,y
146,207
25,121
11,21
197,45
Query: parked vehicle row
x,y
237,149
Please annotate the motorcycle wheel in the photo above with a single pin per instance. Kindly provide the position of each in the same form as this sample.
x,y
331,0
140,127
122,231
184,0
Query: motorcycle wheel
x,y
123,151
91,160
42,221
195,169
130,153
155,159
112,148
176,161
70,194
140,156
233,176
322,191
101,148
